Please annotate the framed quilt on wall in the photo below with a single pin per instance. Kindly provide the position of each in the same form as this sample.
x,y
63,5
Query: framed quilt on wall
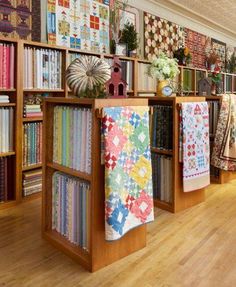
x,y
16,19
79,24
161,35
220,49
196,43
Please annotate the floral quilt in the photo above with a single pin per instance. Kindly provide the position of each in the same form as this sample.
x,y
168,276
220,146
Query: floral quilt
x,y
224,150
196,148
128,170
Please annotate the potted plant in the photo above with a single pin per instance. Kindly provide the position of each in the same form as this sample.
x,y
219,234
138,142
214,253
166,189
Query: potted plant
x,y
216,78
115,19
212,60
163,69
130,37
183,56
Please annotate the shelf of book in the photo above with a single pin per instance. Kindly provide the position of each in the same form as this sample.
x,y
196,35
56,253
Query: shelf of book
x,y
31,167
70,171
7,90
170,195
162,151
101,253
7,104
75,252
44,91
163,205
32,196
32,119
5,154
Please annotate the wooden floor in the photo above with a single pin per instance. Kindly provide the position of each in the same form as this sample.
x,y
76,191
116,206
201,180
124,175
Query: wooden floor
x,y
193,248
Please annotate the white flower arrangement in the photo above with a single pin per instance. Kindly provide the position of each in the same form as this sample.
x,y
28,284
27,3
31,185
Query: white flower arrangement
x,y
163,68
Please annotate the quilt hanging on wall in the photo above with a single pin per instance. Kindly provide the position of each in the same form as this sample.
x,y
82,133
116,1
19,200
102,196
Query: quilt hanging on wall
x,y
220,49
79,24
224,150
15,19
128,170
196,43
161,36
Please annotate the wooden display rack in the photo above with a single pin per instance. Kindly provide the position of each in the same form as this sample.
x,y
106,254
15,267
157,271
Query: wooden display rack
x,y
17,95
181,200
101,252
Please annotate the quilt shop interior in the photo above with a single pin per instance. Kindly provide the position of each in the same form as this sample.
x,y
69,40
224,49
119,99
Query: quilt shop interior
x,y
117,142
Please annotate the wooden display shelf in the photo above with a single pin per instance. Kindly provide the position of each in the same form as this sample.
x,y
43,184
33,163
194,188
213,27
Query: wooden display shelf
x,y
101,252
70,171
181,200
75,252
32,196
8,204
5,154
146,92
160,151
32,119
44,91
7,90
7,104
163,205
31,167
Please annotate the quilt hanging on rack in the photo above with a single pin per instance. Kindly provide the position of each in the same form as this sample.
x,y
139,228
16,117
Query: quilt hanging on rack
x,y
196,147
15,19
79,24
220,49
128,170
161,35
224,150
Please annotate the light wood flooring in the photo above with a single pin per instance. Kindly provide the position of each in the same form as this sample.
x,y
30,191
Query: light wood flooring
x,y
194,248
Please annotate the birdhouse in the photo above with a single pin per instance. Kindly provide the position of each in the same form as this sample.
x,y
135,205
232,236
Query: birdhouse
x,y
204,87
116,87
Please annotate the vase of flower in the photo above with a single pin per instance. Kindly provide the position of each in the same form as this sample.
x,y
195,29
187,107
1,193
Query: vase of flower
x,y
164,70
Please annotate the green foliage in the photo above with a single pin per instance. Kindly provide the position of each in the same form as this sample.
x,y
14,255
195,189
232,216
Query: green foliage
x,y
129,36
231,64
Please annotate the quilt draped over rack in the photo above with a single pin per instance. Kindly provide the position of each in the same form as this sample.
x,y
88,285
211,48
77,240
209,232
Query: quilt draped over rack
x,y
224,150
195,141
128,170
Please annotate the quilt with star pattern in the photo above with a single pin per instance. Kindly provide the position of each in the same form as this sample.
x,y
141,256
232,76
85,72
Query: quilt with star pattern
x,y
128,170
79,24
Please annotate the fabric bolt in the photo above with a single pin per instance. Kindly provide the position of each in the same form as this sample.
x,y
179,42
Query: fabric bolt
x,y
196,147
224,150
16,19
128,170
161,35
79,24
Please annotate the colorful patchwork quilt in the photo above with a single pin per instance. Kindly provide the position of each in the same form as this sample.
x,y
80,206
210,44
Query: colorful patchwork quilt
x,y
196,43
15,19
128,170
196,148
79,24
220,49
161,36
224,150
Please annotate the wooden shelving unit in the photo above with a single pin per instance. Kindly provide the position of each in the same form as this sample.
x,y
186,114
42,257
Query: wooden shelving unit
x,y
18,93
180,200
101,253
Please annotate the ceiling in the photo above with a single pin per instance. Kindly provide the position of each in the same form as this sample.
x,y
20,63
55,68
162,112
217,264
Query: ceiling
x,y
218,13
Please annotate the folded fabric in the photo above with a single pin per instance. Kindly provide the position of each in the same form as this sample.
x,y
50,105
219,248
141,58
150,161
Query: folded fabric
x,y
224,150
195,126
128,170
